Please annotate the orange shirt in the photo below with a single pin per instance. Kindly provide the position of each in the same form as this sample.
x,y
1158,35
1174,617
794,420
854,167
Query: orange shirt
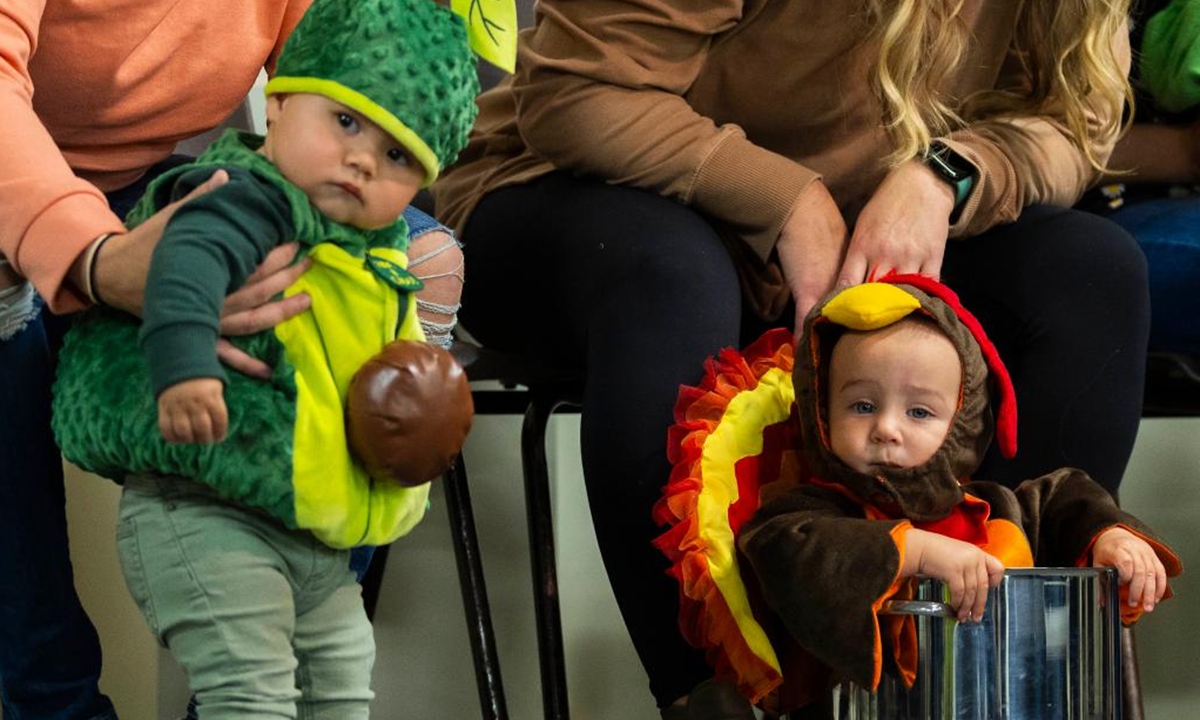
x,y
94,92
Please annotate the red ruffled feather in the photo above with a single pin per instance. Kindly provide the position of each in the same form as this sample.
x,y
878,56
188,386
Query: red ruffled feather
x,y
705,618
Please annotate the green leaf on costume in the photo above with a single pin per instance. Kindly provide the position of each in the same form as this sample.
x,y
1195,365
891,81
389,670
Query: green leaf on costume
x,y
394,274
491,29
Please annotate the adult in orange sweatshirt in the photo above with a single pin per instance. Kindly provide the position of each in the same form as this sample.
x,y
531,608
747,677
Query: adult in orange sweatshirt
x,y
95,95
650,154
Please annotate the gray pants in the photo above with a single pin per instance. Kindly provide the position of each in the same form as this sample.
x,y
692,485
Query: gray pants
x,y
268,622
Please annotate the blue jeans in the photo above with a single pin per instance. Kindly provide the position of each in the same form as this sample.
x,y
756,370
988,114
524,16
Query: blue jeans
x,y
1168,230
49,652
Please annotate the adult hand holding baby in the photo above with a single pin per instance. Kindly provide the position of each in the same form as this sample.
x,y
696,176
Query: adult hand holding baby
x,y
120,265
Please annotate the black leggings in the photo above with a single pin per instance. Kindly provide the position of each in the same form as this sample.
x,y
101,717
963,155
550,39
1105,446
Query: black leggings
x,y
636,291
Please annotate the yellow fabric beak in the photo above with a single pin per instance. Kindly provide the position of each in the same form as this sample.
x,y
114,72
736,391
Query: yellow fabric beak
x,y
869,306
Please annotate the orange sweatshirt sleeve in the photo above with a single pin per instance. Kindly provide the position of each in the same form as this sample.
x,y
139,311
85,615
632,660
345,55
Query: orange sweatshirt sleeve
x,y
111,104
47,215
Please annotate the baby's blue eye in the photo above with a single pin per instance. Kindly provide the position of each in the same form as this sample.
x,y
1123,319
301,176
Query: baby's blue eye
x,y
862,407
920,413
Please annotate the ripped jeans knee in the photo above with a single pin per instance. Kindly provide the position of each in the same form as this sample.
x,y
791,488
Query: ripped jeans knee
x,y
436,258
19,305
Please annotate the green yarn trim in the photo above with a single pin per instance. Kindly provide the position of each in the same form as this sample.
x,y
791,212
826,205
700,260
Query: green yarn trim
x,y
370,109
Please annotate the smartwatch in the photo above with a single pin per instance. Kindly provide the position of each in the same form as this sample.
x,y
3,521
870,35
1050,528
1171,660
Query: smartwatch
x,y
953,169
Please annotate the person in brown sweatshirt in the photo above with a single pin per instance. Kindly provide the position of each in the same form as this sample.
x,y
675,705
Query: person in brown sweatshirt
x,y
660,179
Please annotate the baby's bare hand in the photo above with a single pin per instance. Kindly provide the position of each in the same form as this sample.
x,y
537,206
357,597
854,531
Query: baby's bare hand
x,y
966,570
193,411
1137,565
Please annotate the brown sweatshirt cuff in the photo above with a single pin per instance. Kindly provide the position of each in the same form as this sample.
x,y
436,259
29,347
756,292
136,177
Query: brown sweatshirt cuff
x,y
750,189
993,199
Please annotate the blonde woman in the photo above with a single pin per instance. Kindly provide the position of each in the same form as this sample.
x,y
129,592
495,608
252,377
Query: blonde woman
x,y
666,177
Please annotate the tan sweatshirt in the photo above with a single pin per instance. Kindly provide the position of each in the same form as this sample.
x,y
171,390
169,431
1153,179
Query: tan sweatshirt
x,y
733,106
118,84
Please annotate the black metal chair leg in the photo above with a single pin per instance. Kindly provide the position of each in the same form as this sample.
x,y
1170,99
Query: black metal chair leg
x,y
474,593
1131,678
541,551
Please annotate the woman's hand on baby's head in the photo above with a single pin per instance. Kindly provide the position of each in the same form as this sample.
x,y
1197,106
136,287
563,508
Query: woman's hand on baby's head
x,y
193,411
1136,563
967,571
810,248
902,228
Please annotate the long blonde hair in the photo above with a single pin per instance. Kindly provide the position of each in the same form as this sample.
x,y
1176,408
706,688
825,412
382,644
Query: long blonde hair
x,y
1066,47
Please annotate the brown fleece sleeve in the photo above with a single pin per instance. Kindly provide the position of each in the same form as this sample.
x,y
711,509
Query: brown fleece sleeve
x,y
1025,161
823,569
599,91
1061,513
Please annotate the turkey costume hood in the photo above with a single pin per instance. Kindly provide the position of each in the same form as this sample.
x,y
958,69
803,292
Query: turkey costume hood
x,y
931,490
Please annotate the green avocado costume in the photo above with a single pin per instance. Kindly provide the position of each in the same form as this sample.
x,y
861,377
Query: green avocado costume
x,y
403,64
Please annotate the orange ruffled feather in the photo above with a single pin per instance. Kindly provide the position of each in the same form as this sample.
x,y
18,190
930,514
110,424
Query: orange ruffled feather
x,y
705,618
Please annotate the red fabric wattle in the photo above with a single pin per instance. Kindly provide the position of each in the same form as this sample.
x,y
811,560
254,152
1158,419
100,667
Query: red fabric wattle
x,y
966,522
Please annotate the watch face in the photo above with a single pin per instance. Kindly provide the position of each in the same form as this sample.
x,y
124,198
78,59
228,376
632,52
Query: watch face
x,y
947,163
953,169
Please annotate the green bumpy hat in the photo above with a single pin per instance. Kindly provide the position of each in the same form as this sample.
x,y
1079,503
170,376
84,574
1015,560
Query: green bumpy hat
x,y
406,65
